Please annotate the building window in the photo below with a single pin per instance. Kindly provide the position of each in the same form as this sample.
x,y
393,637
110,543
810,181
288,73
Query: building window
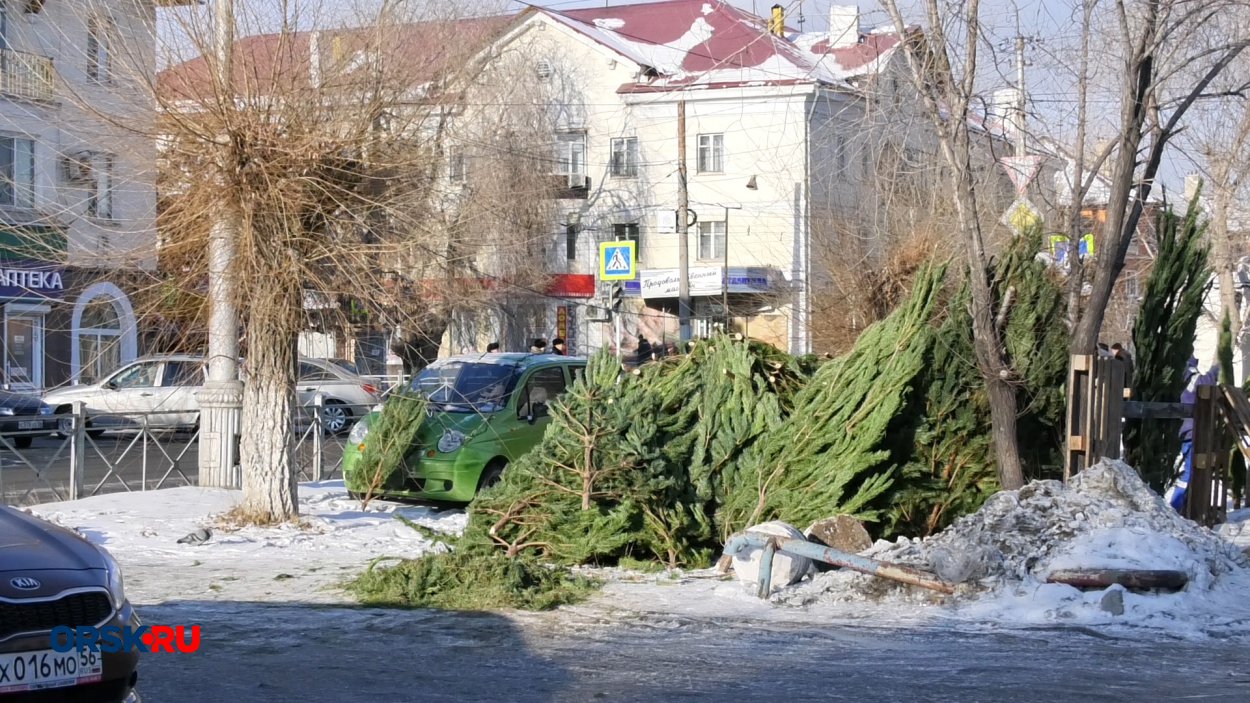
x,y
570,157
100,200
711,153
99,340
99,59
711,240
17,172
627,232
841,154
1132,288
625,157
570,241
456,167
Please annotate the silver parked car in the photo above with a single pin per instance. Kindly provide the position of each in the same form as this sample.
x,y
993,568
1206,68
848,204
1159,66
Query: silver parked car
x,y
160,391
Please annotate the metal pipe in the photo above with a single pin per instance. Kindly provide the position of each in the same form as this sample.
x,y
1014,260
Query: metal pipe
x,y
77,449
319,406
766,570
829,555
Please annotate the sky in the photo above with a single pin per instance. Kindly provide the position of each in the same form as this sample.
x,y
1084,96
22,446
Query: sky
x,y
1050,26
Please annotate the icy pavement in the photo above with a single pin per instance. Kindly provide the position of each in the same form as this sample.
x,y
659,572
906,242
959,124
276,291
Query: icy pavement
x,y
305,562
312,654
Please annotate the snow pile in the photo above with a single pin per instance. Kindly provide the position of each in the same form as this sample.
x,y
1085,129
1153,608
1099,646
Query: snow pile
x,y
1236,528
1001,556
307,560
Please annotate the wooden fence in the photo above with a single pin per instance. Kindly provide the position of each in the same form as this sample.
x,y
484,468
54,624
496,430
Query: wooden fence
x,y
1098,404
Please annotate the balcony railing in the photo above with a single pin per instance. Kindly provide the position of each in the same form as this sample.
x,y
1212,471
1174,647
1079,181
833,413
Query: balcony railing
x,y
24,75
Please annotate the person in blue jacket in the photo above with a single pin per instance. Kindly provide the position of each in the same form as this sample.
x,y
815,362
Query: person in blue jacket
x,y
1193,379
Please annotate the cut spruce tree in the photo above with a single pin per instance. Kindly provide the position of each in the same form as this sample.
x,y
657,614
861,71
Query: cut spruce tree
x,y
1163,338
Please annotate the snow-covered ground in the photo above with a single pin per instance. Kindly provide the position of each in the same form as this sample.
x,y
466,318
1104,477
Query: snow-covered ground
x,y
1000,556
285,563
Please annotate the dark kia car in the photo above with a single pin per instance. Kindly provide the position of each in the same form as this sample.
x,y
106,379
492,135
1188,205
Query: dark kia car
x,y
24,417
49,577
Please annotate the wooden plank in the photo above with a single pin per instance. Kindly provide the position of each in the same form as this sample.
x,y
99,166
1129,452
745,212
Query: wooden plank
x,y
1142,410
1198,498
1236,410
1077,428
1093,414
1132,579
1115,409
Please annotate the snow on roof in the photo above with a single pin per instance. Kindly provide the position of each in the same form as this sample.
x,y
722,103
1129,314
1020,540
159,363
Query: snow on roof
x,y
264,64
697,43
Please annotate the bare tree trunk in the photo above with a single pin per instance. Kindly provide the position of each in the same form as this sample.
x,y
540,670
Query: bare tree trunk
x,y
1222,257
944,92
269,475
987,340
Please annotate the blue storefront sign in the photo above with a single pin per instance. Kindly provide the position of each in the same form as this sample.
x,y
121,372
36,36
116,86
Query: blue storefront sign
x,y
31,279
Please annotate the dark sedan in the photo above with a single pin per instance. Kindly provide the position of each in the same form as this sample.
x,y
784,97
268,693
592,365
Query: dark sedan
x,y
24,417
51,577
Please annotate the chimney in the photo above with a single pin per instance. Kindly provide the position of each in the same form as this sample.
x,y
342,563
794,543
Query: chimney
x,y
1192,181
843,26
314,58
1003,105
777,25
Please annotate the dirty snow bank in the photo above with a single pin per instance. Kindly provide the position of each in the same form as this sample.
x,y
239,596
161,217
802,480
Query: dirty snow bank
x,y
1001,556
304,562
1236,528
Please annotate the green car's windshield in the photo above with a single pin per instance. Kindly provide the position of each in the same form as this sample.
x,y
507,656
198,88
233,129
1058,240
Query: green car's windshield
x,y
465,387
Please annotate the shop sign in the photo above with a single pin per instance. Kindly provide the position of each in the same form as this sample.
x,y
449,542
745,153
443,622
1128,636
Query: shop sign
x,y
22,279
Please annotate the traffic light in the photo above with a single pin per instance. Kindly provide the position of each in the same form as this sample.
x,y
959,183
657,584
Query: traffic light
x,y
616,296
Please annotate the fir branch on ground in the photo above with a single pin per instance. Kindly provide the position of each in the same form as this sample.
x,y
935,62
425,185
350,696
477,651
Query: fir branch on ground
x,y
471,581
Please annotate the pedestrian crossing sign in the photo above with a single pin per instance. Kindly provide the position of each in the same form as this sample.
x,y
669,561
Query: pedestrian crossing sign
x,y
617,261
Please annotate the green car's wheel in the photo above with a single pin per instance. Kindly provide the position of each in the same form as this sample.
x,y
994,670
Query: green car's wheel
x,y
492,474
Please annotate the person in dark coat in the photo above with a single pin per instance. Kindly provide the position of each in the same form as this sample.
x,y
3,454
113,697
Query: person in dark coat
x,y
557,347
644,350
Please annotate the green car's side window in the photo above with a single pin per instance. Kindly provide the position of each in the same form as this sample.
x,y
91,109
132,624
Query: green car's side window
x,y
576,373
543,386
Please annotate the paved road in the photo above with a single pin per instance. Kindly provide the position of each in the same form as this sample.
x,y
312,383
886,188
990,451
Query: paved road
x,y
165,456
278,654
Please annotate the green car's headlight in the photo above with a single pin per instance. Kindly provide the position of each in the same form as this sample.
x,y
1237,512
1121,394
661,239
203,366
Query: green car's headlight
x,y
450,441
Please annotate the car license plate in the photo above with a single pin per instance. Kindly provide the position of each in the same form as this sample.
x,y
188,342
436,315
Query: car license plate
x,y
30,424
29,671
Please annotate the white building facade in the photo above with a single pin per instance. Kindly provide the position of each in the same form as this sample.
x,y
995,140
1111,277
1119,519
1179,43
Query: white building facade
x,y
77,189
776,126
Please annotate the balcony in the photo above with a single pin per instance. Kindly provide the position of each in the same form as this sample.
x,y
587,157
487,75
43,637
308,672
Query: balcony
x,y
26,76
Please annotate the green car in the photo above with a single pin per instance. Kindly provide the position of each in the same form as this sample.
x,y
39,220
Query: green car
x,y
486,410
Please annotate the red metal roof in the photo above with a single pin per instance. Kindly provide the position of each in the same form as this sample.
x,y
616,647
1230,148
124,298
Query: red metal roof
x,y
709,43
264,64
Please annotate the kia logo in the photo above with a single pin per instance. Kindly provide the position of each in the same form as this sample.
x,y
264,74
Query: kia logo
x,y
25,583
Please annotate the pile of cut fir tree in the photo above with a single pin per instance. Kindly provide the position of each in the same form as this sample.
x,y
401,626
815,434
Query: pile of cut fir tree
x,y
661,464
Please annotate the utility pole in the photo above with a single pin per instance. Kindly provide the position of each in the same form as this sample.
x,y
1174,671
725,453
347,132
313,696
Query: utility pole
x,y
683,229
1021,150
725,292
221,400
